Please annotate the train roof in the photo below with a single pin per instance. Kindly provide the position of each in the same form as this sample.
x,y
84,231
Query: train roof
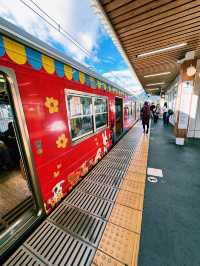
x,y
9,29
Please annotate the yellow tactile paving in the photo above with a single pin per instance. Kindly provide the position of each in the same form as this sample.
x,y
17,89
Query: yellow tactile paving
x,y
130,199
142,149
138,177
139,156
133,186
143,152
136,253
120,243
137,168
138,162
126,217
102,259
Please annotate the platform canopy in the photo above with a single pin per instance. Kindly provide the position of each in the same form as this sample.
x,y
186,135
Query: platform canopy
x,y
154,35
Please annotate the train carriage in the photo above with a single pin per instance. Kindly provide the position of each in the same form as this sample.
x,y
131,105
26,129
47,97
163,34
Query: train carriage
x,y
57,120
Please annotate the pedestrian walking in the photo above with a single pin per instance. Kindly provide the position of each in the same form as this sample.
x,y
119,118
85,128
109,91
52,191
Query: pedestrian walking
x,y
145,116
165,114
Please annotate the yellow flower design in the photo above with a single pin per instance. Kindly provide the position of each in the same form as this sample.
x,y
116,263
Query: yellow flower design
x,y
61,142
52,105
56,174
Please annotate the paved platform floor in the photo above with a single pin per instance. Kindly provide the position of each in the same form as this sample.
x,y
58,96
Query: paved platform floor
x,y
171,218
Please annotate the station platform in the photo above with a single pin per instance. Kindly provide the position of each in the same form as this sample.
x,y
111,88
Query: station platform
x,y
99,222
170,224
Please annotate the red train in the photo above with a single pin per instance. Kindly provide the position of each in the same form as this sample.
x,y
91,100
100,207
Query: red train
x,y
57,120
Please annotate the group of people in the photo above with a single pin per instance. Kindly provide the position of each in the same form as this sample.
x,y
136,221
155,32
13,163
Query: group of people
x,y
154,111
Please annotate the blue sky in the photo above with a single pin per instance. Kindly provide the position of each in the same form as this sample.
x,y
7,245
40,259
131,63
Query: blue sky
x,y
77,18
109,56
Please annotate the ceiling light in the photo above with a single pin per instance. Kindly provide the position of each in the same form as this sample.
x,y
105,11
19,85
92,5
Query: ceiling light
x,y
153,84
157,74
163,49
153,89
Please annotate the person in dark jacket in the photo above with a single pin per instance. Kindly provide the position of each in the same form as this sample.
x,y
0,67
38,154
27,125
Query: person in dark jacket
x,y
145,116
9,146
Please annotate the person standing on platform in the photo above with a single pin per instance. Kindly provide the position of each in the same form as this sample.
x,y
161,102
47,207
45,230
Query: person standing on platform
x,y
165,114
156,113
152,109
145,116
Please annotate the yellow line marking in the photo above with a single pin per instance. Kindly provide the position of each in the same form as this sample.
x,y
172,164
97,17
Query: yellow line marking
x,y
127,218
121,239
102,259
130,199
138,169
133,186
119,243
138,177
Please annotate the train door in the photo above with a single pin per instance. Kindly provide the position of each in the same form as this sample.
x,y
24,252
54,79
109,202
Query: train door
x,y
119,116
17,202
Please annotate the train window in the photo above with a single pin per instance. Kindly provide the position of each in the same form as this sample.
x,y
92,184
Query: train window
x,y
87,114
101,112
128,110
81,117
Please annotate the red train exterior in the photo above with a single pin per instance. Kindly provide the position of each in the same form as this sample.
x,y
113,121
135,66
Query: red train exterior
x,y
43,85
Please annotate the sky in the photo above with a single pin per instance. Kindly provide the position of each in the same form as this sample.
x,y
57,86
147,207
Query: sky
x,y
77,18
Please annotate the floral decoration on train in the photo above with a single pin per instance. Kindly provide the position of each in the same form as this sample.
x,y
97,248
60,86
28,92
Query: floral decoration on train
x,y
105,142
98,156
96,141
57,194
62,141
52,104
73,178
56,173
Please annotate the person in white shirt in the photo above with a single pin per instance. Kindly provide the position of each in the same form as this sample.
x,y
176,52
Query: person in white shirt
x,y
165,114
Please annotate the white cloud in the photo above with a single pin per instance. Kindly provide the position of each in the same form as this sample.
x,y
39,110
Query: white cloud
x,y
78,19
125,79
75,16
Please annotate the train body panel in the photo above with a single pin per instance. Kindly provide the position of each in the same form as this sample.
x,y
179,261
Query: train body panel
x,y
61,162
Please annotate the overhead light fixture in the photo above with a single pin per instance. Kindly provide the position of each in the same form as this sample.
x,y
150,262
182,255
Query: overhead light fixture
x,y
191,70
153,89
154,84
162,50
157,74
